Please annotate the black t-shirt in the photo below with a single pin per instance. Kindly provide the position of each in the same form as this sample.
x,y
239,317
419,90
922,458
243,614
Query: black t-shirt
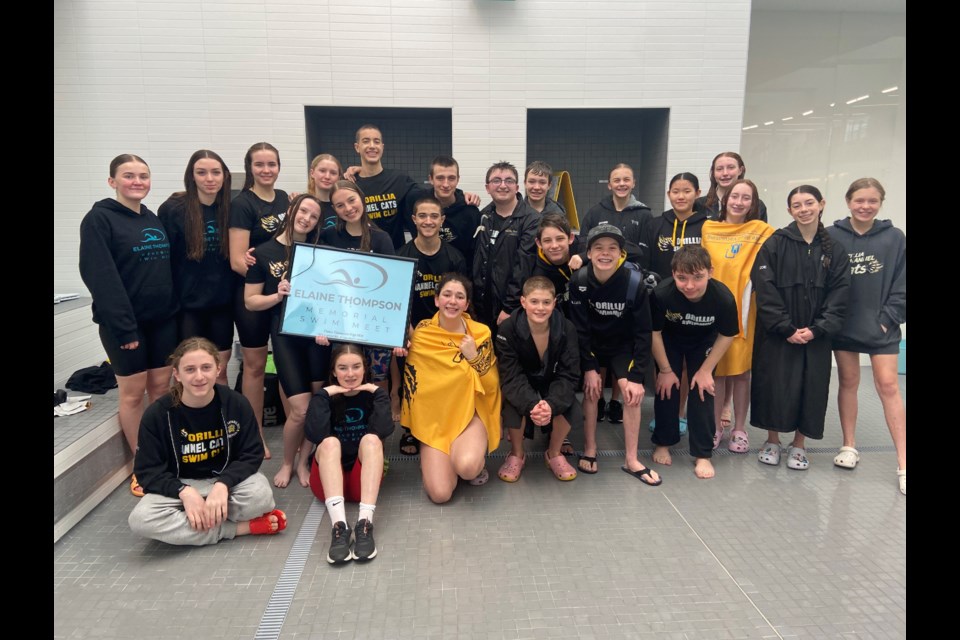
x,y
341,239
426,277
459,223
386,201
270,268
201,439
328,217
259,217
694,322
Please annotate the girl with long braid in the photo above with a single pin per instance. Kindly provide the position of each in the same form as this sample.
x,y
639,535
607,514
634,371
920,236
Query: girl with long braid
x,y
802,279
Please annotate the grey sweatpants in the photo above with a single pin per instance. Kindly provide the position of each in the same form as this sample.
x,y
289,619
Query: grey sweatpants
x,y
162,518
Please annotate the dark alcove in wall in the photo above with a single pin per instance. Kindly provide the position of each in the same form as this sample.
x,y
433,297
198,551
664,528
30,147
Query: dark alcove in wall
x,y
412,136
589,142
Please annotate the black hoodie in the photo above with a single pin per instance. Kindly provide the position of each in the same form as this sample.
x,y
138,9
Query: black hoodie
x,y
632,221
204,283
666,234
164,451
537,264
609,324
125,263
878,283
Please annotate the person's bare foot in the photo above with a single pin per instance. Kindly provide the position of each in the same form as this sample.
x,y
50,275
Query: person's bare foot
x,y
661,455
588,462
266,451
395,407
303,475
267,524
282,478
634,469
704,468
726,417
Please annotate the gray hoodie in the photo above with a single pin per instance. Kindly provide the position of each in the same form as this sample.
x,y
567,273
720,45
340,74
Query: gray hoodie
x,y
878,284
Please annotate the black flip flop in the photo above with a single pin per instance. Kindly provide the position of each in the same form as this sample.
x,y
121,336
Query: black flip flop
x,y
566,443
591,460
407,440
643,476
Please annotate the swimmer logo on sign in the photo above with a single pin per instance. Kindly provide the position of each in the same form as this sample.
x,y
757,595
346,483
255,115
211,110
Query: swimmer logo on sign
x,y
357,274
348,297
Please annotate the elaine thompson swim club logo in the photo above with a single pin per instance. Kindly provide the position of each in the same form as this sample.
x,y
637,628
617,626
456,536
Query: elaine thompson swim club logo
x,y
363,275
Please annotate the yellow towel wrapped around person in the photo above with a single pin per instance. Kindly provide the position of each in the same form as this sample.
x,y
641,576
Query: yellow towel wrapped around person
x,y
442,389
733,248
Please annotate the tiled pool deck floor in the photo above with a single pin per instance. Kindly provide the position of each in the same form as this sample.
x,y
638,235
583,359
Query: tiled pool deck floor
x,y
757,552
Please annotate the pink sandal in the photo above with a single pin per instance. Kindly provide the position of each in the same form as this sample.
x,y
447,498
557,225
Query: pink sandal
x,y
511,468
561,468
739,442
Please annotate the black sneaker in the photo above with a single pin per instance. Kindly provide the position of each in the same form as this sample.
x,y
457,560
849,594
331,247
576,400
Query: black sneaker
x,y
614,412
364,548
601,408
339,544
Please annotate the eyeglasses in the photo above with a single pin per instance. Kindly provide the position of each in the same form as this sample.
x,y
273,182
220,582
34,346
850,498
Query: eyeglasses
x,y
510,182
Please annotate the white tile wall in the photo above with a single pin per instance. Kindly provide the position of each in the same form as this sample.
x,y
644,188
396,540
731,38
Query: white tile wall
x,y
162,79
76,344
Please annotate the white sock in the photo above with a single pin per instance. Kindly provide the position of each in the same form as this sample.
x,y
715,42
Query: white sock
x,y
336,510
366,512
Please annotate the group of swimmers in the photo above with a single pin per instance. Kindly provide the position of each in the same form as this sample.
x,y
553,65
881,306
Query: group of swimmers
x,y
511,314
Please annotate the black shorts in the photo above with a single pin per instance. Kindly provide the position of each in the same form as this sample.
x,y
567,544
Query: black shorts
x,y
215,324
857,347
618,364
157,341
510,417
253,327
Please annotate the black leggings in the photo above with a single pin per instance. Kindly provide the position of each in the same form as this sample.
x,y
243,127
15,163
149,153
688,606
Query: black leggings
x,y
299,361
253,327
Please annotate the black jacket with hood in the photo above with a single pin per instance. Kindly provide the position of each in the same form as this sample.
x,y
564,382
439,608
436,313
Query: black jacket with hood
x,y
125,263
878,283
495,257
607,322
526,379
800,285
